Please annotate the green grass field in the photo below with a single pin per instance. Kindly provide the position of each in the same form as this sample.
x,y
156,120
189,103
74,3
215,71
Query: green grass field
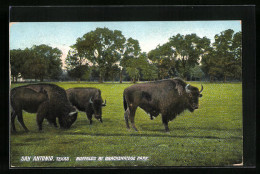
x,y
210,136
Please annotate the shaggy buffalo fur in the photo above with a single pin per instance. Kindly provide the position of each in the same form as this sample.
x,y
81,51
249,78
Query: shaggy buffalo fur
x,y
58,106
168,97
87,100
27,100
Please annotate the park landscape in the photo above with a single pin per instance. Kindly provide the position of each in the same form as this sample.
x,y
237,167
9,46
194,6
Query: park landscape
x,y
104,58
210,136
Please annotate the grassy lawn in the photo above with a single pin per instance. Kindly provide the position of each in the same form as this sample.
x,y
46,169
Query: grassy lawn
x,y
210,136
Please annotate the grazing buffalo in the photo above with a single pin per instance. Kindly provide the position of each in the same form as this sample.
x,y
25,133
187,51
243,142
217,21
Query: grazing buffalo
x,y
25,99
168,97
87,100
58,106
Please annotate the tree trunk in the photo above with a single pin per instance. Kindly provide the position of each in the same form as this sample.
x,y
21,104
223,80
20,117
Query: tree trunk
x,y
225,79
134,80
120,76
100,79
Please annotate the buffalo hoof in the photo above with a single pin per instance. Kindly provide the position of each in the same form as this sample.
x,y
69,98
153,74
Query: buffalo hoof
x,y
167,130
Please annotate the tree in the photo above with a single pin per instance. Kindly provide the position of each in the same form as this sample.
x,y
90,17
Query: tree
x,y
162,57
133,72
129,59
150,72
17,60
52,59
187,50
37,62
79,72
228,49
36,67
76,64
224,59
196,72
102,47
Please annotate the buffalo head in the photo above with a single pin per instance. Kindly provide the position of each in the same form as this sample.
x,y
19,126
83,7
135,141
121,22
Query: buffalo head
x,y
97,104
69,119
193,97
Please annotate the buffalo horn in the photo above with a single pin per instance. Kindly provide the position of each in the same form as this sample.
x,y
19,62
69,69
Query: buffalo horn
x,y
104,104
186,88
90,100
72,113
201,89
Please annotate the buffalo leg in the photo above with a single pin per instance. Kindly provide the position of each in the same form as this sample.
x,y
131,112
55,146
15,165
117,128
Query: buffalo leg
x,y
165,123
89,115
20,119
126,115
55,123
52,121
39,119
13,115
132,117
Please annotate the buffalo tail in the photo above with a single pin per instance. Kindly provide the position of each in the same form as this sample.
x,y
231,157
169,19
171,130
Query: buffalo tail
x,y
125,104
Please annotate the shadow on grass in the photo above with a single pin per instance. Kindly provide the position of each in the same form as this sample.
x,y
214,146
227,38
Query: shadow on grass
x,y
152,135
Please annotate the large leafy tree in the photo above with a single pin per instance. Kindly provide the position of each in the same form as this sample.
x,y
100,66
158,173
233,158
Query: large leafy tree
x,y
130,58
52,60
35,67
27,64
224,60
196,72
17,60
76,65
38,62
187,50
163,58
102,47
148,69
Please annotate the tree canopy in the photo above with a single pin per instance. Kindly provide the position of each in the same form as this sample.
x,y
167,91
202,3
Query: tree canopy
x,y
38,62
102,47
104,54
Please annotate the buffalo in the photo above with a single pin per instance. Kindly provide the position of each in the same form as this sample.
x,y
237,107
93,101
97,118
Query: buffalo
x,y
58,106
88,100
25,99
169,97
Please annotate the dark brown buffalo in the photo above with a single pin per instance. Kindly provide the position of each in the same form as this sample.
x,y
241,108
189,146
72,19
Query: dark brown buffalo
x,y
25,99
58,106
168,97
88,100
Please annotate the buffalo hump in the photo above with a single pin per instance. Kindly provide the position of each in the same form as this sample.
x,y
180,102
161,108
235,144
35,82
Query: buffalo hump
x,y
166,97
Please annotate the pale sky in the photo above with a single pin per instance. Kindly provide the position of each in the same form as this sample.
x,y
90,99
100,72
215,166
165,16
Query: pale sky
x,y
149,34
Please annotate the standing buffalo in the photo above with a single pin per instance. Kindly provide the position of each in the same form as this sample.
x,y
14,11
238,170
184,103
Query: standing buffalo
x,y
58,106
25,99
87,100
168,97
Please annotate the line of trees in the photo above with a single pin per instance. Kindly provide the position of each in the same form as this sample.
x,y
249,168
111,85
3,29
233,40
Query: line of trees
x,y
39,62
105,54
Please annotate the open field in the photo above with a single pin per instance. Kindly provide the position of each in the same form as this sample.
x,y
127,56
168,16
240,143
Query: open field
x,y
210,136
